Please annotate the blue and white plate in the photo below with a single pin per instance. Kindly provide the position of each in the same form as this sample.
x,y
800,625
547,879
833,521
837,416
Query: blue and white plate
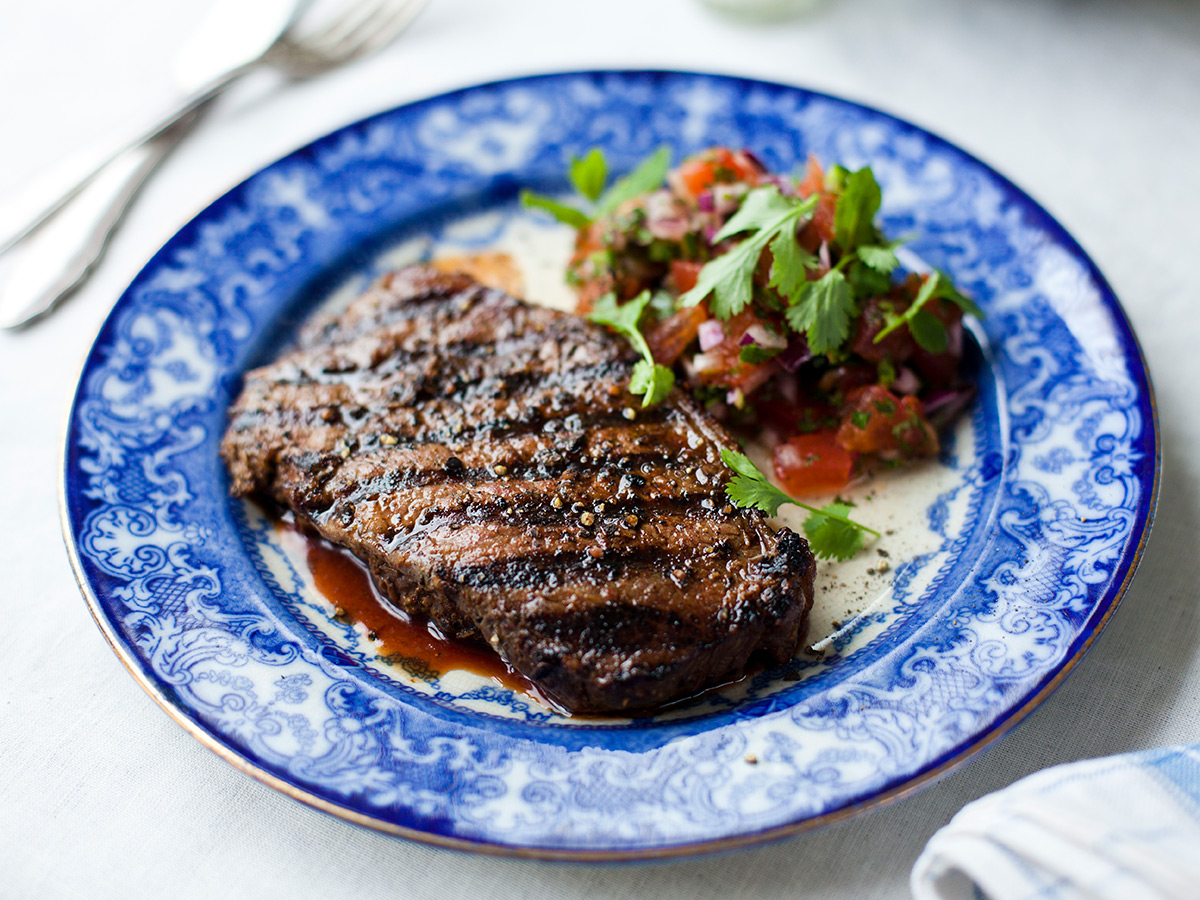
x,y
1005,571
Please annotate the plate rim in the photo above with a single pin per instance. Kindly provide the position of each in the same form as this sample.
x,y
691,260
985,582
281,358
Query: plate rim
x,y
941,765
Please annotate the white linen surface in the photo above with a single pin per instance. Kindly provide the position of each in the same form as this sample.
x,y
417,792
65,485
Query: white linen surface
x,y
1119,828
1094,108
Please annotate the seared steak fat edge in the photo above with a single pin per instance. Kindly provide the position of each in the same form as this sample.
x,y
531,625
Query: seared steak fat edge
x,y
483,458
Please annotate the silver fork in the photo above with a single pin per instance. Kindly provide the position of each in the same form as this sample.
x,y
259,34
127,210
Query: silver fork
x,y
62,226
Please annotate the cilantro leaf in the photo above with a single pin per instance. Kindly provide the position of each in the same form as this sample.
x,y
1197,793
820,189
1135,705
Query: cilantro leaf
x,y
832,534
881,258
824,312
646,176
568,215
763,208
928,331
662,304
749,487
865,281
623,318
589,173
789,265
648,379
730,277
854,215
652,381
946,290
754,354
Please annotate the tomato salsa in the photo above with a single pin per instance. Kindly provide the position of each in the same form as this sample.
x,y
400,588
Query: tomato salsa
x,y
780,304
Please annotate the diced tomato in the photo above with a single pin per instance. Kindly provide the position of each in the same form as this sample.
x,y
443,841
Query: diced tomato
x,y
814,178
820,229
877,421
897,346
846,377
789,417
670,337
718,165
812,464
684,274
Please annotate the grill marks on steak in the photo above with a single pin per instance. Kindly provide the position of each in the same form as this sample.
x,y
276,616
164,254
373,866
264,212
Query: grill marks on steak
x,y
478,454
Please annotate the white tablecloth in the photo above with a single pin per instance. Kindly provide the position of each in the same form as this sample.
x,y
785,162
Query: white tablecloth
x,y
1093,108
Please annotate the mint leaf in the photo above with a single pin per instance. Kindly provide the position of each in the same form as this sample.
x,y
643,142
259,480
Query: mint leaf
x,y
648,175
589,174
831,534
824,312
652,381
568,215
854,215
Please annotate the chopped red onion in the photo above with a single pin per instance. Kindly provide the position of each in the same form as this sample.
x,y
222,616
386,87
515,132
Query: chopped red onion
x,y
666,216
943,406
711,333
786,185
704,201
705,362
753,157
789,389
728,197
823,255
906,381
796,354
954,338
758,334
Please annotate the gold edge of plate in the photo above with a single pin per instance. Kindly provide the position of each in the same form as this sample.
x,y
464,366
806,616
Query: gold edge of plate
x,y
876,801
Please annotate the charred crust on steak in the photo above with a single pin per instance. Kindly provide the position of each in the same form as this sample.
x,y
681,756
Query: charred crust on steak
x,y
473,451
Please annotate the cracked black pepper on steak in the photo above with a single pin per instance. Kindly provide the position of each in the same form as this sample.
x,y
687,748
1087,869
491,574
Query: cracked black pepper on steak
x,y
479,455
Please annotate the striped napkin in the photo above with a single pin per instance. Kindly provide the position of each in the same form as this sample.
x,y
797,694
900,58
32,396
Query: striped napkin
x,y
1119,828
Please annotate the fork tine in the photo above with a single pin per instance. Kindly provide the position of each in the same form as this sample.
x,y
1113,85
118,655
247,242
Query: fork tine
x,y
371,32
390,27
337,28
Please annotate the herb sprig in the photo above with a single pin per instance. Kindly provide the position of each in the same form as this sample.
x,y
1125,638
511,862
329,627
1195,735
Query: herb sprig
x,y
831,532
649,380
772,218
821,308
589,174
927,330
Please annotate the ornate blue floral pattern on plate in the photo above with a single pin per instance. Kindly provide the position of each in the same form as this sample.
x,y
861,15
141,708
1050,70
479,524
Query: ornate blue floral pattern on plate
x,y
1053,485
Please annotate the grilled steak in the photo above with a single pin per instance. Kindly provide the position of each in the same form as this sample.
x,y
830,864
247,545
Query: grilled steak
x,y
484,459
